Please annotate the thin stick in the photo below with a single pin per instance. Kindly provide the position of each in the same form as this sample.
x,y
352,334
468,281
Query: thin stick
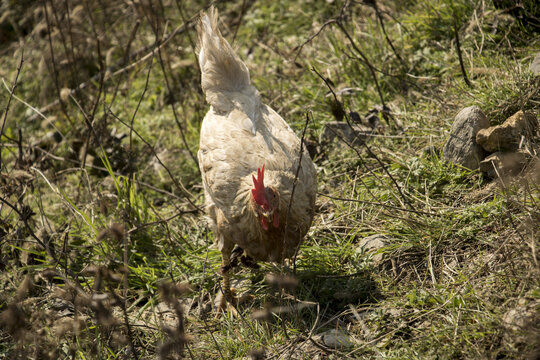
x,y
460,57
131,127
371,153
31,108
24,219
242,13
53,61
299,48
292,192
180,29
125,59
4,120
381,21
365,60
101,168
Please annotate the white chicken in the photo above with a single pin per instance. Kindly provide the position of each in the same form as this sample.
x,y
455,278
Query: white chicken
x,y
248,158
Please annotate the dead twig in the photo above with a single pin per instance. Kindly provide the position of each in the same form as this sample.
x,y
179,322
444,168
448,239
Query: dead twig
x,y
101,168
295,182
24,219
4,120
90,120
148,52
299,48
365,60
239,21
53,61
460,57
363,143
126,57
373,3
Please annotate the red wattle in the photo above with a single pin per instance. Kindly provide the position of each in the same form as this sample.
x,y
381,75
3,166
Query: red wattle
x,y
264,224
275,219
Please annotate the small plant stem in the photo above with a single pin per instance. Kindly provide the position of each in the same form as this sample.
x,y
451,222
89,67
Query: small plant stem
x,y
460,57
14,86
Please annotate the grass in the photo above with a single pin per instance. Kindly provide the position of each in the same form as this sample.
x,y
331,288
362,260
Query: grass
x,y
105,254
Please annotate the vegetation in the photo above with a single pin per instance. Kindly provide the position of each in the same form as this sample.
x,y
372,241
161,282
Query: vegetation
x,y
105,252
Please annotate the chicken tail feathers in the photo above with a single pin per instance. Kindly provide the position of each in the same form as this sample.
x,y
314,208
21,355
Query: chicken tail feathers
x,y
222,70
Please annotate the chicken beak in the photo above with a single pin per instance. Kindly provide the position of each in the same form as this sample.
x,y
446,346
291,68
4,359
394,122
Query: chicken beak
x,y
267,218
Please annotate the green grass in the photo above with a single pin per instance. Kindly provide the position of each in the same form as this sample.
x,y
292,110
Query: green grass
x,y
96,225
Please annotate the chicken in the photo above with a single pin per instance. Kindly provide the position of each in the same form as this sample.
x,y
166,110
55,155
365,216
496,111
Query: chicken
x,y
249,157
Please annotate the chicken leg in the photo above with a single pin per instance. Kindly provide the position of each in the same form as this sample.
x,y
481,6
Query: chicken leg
x,y
228,300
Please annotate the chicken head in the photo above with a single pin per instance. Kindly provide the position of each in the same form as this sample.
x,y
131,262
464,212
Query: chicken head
x,y
265,201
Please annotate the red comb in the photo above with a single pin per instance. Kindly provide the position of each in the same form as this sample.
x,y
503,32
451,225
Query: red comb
x,y
258,191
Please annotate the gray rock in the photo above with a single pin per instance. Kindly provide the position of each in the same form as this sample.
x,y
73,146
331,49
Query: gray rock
x,y
336,339
354,134
371,244
521,322
522,316
507,136
535,65
461,147
504,164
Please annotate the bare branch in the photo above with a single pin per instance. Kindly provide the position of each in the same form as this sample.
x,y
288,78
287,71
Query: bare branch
x,y
4,120
460,57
